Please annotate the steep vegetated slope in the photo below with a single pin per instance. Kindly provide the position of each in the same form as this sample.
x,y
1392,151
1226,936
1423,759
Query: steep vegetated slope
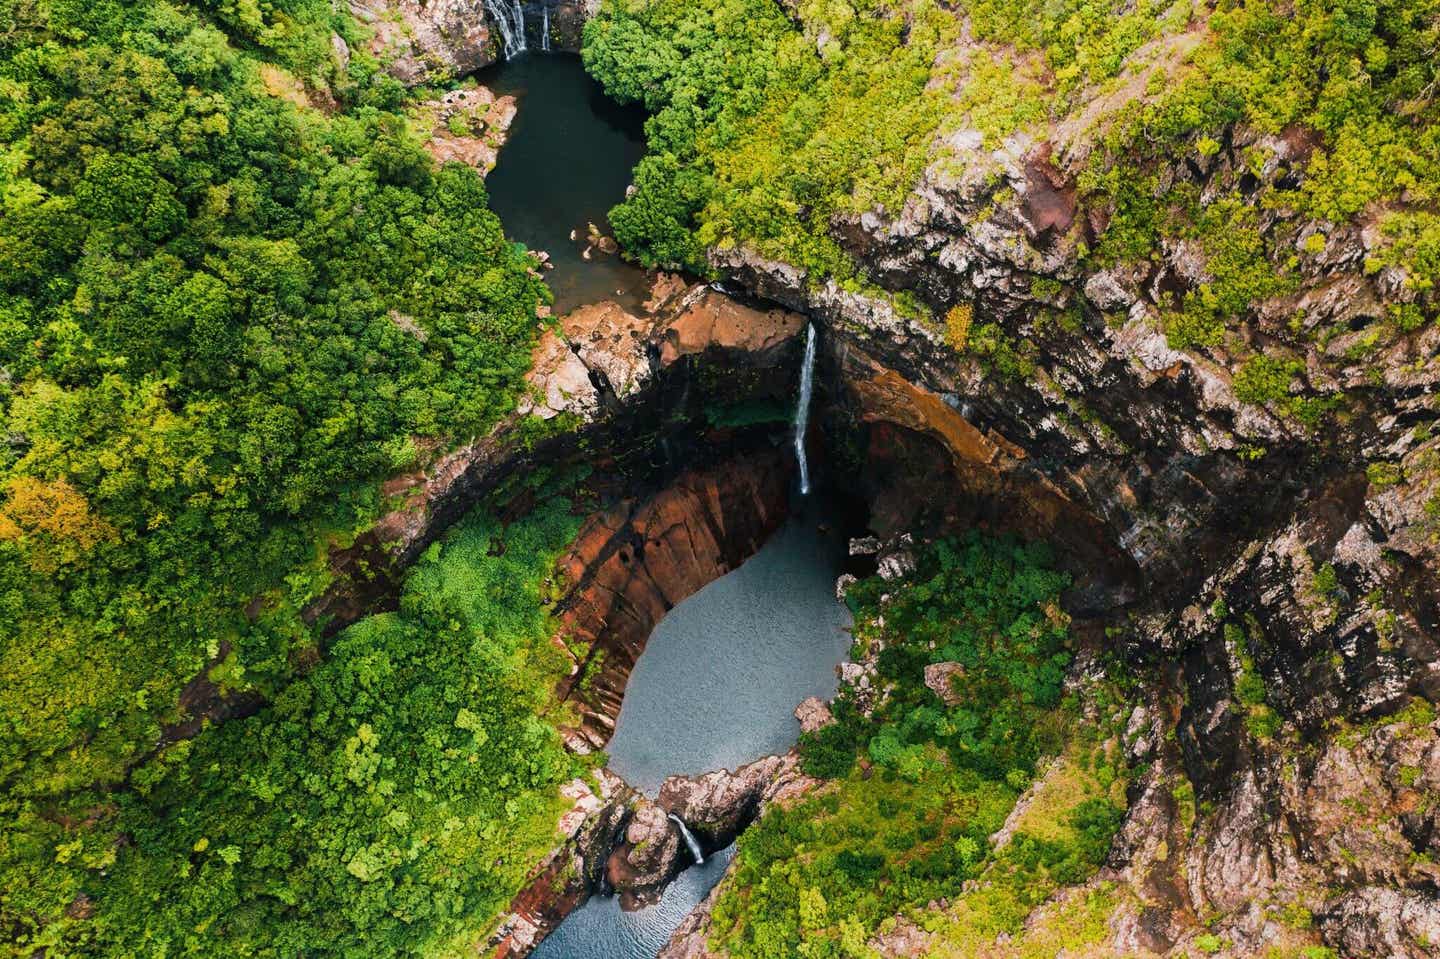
x,y
973,651
1163,274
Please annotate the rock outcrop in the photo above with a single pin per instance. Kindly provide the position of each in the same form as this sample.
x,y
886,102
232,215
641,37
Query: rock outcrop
x,y
564,879
428,42
440,41
468,125
567,20
1279,582
622,843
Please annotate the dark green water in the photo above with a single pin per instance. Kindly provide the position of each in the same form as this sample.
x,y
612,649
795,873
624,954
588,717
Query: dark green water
x,y
567,161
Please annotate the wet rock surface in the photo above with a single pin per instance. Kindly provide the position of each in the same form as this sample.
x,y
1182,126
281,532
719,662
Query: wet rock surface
x,y
626,844
633,563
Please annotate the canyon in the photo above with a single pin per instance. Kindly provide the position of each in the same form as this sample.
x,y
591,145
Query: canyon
x,y
1177,501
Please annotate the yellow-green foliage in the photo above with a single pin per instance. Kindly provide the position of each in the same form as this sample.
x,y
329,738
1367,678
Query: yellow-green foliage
x,y
1064,814
913,824
957,326
203,377
766,132
758,136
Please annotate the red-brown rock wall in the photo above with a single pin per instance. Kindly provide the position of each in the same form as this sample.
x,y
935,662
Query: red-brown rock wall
x,y
631,564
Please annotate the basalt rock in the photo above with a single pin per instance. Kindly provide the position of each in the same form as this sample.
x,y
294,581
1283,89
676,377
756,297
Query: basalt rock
x,y
1281,583
939,679
567,20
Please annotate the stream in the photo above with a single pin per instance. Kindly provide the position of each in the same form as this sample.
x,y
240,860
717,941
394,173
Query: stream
x,y
724,670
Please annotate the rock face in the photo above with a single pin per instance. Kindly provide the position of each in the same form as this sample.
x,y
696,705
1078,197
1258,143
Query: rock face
x,y
1243,546
615,353
717,806
443,40
632,564
564,880
567,20
813,714
428,42
575,369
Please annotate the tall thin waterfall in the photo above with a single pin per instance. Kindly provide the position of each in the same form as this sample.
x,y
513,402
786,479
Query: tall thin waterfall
x,y
689,839
802,408
545,28
510,20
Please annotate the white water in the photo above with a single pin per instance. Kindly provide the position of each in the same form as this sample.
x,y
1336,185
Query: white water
x,y
510,19
689,840
545,29
802,408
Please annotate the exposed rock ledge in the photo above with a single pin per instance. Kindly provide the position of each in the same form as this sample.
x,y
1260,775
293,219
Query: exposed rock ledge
x,y
440,40
622,842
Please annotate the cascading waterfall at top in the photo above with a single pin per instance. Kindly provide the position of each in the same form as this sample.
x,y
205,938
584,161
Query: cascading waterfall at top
x,y
545,28
689,840
802,408
510,19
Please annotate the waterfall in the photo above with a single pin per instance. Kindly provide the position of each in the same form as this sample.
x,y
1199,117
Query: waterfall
x,y
802,408
545,28
510,20
689,840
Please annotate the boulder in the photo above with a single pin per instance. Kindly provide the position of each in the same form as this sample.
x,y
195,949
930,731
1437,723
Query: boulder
x,y
813,714
939,679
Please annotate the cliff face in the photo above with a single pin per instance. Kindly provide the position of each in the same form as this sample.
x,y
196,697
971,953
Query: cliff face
x,y
633,563
445,40
1238,541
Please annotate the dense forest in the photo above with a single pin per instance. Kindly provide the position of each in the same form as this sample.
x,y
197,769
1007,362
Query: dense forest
x,y
763,135
234,293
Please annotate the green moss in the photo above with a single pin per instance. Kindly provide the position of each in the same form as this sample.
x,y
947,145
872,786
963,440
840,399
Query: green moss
x,y
1382,475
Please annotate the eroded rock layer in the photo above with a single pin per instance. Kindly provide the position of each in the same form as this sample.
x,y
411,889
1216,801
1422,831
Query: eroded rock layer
x,y
632,564
1233,542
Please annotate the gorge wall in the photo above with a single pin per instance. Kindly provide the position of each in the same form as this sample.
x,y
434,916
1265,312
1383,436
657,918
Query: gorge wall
x,y
1220,535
